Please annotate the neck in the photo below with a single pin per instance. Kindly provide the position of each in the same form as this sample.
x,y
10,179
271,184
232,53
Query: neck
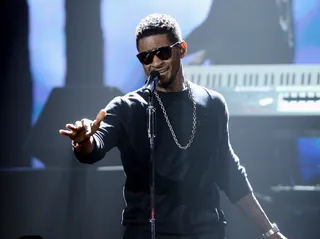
x,y
176,85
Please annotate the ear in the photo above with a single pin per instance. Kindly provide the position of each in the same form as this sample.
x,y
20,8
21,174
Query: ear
x,y
183,46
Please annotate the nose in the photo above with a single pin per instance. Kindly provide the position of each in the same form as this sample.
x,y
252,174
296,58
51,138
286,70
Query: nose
x,y
156,61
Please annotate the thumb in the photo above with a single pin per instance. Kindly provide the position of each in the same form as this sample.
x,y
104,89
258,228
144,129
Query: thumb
x,y
100,117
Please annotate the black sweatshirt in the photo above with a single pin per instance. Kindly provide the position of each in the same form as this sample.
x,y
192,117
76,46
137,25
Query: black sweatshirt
x,y
187,182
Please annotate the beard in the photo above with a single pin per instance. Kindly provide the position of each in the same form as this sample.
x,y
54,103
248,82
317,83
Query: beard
x,y
167,84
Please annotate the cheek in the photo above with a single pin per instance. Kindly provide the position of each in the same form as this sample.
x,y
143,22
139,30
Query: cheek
x,y
174,64
146,69
169,66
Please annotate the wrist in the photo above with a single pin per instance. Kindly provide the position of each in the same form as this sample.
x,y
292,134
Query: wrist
x,y
81,143
273,230
85,146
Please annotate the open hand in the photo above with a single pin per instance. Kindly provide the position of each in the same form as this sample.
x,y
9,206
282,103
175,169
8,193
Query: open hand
x,y
83,129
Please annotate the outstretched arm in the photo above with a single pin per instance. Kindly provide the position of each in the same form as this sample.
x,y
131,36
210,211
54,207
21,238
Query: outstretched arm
x,y
91,140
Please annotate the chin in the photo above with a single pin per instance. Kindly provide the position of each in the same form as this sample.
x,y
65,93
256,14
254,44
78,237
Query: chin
x,y
164,82
163,79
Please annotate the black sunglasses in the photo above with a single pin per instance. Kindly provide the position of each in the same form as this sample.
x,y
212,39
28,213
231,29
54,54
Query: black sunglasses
x,y
163,53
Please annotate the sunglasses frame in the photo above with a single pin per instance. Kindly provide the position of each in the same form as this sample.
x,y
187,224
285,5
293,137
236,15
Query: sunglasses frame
x,y
154,52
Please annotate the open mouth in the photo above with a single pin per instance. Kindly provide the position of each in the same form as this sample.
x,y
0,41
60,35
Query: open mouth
x,y
163,71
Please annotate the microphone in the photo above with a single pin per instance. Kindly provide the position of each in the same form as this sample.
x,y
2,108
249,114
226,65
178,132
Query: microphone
x,y
152,81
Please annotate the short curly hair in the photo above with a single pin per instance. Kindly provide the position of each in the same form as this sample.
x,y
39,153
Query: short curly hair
x,y
157,23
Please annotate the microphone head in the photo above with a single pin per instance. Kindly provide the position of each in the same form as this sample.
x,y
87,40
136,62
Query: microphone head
x,y
154,74
152,81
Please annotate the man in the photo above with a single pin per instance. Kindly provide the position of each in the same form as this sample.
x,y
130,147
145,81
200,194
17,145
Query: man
x,y
193,155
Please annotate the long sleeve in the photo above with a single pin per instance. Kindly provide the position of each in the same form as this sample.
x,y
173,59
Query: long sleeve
x,y
108,134
231,175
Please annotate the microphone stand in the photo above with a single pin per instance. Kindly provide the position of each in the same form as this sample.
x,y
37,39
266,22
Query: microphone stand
x,y
151,126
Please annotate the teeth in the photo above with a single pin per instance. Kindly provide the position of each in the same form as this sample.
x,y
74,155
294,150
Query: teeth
x,y
162,71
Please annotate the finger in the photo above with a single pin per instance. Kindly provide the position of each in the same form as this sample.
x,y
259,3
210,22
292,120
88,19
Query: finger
x,y
78,125
100,117
71,126
86,124
83,124
65,132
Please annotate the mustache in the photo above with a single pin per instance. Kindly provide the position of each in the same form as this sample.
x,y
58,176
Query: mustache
x,y
161,70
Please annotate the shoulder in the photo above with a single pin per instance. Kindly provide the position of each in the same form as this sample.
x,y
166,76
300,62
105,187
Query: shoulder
x,y
217,99
128,100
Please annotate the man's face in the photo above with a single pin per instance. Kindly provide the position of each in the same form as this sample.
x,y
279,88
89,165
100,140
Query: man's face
x,y
157,55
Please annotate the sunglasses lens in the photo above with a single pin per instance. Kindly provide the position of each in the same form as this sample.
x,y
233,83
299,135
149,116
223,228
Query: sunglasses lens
x,y
164,53
145,58
148,58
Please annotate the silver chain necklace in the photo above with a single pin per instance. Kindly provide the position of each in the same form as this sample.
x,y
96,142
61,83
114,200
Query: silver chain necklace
x,y
194,114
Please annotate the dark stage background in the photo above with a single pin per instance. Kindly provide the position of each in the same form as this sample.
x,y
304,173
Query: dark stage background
x,y
63,60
